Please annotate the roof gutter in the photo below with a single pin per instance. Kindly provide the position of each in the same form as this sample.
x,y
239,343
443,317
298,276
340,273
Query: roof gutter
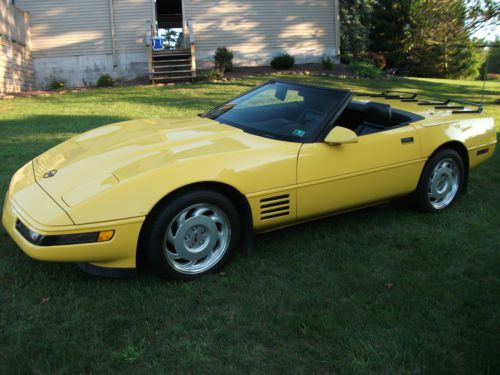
x,y
337,27
113,32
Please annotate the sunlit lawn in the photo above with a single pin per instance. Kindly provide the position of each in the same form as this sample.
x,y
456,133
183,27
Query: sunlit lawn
x,y
383,290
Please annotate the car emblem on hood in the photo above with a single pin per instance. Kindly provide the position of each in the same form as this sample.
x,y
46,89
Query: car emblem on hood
x,y
50,173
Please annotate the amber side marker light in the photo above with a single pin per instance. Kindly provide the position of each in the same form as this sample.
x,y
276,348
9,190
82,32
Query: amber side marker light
x,y
105,235
63,239
483,151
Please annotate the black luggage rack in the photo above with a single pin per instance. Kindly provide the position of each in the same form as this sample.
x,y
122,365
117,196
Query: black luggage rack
x,y
438,102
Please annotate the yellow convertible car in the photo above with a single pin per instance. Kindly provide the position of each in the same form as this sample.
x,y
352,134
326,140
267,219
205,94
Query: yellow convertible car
x,y
184,193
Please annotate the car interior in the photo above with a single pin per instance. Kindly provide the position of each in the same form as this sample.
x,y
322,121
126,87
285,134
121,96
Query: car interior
x,y
370,117
361,117
294,113
305,114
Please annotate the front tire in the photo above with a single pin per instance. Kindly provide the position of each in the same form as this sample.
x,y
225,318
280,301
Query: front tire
x,y
441,182
192,235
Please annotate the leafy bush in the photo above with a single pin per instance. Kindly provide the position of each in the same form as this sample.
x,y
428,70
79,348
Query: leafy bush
x,y
210,74
345,59
327,62
364,69
283,61
56,84
223,59
105,80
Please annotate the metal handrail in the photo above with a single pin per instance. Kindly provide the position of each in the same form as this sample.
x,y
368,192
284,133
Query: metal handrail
x,y
192,46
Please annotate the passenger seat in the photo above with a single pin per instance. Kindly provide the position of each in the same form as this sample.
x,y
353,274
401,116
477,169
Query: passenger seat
x,y
376,117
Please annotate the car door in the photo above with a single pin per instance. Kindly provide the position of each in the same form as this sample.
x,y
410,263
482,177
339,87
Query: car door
x,y
379,166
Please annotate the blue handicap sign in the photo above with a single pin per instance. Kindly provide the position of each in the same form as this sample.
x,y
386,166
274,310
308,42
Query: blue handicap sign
x,y
158,44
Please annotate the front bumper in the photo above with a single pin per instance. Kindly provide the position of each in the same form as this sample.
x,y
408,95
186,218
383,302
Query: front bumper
x,y
119,252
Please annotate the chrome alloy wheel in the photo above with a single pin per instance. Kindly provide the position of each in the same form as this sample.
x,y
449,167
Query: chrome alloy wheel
x,y
443,183
197,238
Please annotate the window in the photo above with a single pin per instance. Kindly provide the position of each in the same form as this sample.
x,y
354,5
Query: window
x,y
269,97
282,111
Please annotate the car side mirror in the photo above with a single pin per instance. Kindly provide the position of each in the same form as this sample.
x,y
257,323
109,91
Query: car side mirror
x,y
339,135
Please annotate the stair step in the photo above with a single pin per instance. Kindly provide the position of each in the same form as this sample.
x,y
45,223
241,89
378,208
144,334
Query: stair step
x,y
180,66
155,55
168,56
181,78
172,72
176,56
169,71
173,61
167,51
172,66
159,75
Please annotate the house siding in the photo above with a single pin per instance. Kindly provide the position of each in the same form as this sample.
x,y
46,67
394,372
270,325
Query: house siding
x,y
72,39
259,29
16,73
68,27
130,20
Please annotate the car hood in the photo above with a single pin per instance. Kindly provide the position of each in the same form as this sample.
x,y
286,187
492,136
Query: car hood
x,y
103,157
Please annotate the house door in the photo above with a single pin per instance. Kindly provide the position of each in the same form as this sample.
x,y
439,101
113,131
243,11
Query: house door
x,y
169,23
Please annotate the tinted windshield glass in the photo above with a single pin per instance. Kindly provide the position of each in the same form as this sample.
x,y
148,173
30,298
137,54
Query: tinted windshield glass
x,y
282,110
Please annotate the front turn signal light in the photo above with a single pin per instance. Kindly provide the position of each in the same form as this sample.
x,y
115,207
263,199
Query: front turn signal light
x,y
105,235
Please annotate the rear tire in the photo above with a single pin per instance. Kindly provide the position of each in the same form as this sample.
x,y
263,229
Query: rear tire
x,y
441,182
193,234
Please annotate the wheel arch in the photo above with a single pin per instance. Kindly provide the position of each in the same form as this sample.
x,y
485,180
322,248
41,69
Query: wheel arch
x,y
234,195
462,151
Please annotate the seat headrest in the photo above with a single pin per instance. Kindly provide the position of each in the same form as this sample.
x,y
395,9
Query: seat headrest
x,y
316,102
377,113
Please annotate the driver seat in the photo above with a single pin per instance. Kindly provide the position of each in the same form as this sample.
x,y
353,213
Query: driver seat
x,y
376,117
314,111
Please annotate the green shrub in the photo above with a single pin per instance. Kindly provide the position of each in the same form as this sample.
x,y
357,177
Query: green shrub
x,y
364,69
345,59
210,74
105,80
223,59
327,62
283,61
56,84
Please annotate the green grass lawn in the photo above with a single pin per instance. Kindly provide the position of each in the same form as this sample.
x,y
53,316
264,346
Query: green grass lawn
x,y
383,290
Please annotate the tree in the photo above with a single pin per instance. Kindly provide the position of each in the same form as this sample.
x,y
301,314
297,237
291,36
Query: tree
x,y
431,38
388,21
480,14
438,40
494,57
354,24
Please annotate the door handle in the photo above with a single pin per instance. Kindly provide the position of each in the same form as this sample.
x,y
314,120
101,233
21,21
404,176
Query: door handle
x,y
407,140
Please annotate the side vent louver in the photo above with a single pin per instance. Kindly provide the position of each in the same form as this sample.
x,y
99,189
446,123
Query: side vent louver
x,y
275,206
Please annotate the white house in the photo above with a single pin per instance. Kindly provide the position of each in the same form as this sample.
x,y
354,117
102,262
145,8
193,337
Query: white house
x,y
78,41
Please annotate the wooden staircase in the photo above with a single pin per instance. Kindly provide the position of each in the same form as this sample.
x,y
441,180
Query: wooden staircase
x,y
172,65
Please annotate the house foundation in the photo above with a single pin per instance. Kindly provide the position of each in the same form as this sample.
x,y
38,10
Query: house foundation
x,y
85,70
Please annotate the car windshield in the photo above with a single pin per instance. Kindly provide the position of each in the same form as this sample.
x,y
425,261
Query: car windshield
x,y
284,111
